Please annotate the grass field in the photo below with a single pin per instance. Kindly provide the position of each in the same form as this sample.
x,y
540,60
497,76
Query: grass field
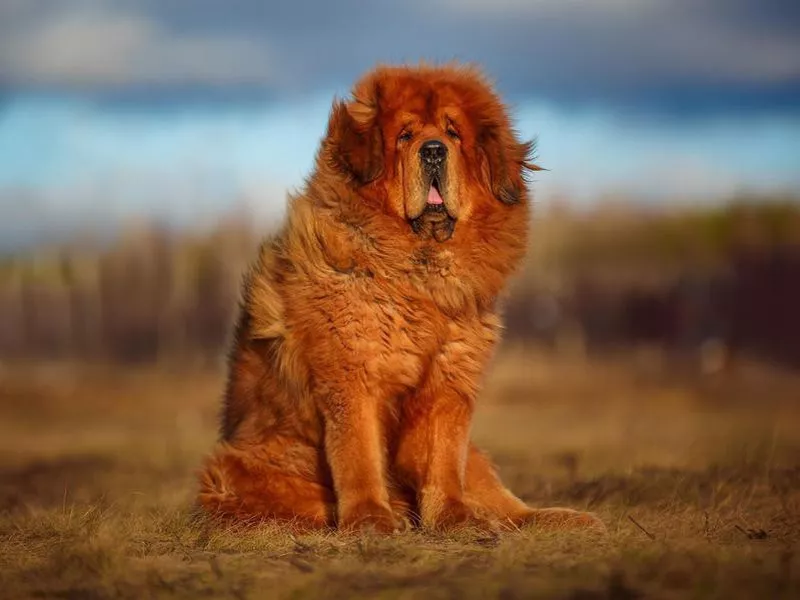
x,y
697,479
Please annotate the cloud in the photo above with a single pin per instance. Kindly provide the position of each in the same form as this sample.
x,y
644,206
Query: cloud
x,y
628,51
516,8
97,45
674,55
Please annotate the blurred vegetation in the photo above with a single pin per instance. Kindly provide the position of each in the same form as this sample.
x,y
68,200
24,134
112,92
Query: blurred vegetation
x,y
616,274
657,243
151,294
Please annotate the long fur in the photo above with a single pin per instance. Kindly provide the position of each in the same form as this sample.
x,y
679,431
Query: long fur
x,y
362,340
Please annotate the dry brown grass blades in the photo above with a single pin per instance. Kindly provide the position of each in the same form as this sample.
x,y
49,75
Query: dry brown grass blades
x,y
97,478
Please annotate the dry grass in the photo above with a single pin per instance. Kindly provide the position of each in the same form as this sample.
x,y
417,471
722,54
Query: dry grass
x,y
698,481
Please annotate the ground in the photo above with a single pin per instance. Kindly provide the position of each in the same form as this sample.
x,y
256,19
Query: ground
x,y
697,478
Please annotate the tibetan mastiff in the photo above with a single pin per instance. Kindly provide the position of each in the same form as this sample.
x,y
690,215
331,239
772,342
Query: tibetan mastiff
x,y
368,321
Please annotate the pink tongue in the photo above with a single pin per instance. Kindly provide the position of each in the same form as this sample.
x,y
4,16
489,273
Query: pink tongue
x,y
434,197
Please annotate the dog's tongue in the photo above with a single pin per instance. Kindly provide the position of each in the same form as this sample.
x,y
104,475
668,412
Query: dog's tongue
x,y
434,197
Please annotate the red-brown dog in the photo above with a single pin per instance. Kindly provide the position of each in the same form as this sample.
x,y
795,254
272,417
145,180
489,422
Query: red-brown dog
x,y
368,321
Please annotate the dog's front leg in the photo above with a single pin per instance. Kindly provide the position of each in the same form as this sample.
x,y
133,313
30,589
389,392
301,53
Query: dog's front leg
x,y
432,451
354,450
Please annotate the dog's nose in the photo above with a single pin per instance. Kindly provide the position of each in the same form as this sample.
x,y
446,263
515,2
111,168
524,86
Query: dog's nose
x,y
433,153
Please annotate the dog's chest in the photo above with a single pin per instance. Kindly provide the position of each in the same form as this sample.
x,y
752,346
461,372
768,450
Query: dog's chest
x,y
400,336
439,276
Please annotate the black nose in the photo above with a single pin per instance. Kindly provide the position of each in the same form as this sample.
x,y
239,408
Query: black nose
x,y
433,153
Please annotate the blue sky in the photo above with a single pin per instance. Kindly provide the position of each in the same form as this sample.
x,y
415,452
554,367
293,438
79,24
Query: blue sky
x,y
183,110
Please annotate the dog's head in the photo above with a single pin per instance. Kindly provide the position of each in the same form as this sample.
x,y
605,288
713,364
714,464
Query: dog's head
x,y
431,145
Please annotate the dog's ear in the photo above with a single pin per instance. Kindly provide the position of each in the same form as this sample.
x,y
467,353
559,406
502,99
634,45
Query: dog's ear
x,y
507,163
354,142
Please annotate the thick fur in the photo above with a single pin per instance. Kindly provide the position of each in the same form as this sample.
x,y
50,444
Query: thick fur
x,y
367,322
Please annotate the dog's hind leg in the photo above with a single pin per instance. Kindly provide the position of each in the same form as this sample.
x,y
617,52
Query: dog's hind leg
x,y
250,484
486,494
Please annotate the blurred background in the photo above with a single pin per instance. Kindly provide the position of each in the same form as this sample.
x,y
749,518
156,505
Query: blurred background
x,y
146,146
650,369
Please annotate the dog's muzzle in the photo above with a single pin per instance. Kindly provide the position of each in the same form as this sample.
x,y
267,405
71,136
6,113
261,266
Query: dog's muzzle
x,y
434,221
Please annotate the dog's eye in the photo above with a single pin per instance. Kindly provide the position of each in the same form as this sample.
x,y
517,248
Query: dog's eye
x,y
453,133
405,136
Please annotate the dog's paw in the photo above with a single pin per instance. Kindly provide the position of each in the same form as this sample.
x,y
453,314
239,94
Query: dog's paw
x,y
456,515
559,519
371,517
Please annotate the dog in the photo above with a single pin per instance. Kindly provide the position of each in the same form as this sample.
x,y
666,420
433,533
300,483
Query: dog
x,y
368,320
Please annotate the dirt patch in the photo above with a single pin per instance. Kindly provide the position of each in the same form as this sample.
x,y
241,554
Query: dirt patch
x,y
49,484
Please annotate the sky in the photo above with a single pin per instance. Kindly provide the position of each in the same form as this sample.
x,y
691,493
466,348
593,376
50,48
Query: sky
x,y
183,110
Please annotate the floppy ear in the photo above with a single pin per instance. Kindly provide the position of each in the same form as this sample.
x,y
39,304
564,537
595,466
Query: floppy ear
x,y
354,142
508,162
